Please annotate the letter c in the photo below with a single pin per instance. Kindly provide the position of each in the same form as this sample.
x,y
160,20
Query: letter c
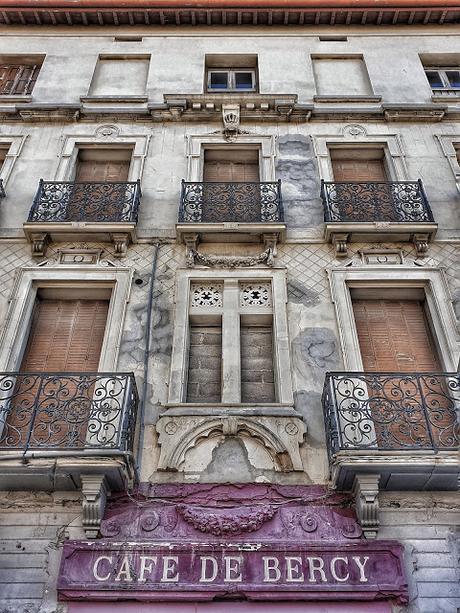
x,y
96,569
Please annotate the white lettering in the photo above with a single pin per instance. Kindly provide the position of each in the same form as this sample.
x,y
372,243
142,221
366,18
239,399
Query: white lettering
x,y
204,565
146,568
170,564
96,568
232,568
316,567
361,565
334,570
294,565
271,564
125,570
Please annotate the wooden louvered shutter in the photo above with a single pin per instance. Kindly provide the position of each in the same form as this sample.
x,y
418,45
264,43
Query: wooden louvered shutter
x,y
394,336
98,170
359,170
17,79
66,336
231,172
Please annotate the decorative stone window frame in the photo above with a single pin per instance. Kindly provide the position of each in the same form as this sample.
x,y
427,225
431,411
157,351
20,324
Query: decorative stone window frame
x,y
449,144
106,136
197,144
355,136
281,357
16,143
30,279
438,303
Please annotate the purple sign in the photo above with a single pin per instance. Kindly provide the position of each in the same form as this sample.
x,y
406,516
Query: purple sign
x,y
259,542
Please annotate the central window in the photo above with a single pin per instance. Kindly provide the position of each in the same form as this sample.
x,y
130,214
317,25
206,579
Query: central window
x,y
231,73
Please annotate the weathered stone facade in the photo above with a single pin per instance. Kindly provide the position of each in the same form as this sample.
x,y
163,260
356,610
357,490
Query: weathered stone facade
x,y
273,432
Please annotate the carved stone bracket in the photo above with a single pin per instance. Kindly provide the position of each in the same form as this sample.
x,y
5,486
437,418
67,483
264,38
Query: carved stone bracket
x,y
421,244
120,243
39,243
340,243
231,119
281,436
95,492
194,257
366,491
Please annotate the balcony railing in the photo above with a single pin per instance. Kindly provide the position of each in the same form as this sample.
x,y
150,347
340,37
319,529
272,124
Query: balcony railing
x,y
57,201
391,411
2,189
67,411
401,201
220,202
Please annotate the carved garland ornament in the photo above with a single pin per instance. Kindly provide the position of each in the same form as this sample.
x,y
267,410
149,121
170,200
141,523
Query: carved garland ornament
x,y
227,524
229,261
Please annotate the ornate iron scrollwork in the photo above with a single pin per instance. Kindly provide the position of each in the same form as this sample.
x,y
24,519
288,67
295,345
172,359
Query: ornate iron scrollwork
x,y
392,411
401,201
2,189
231,202
67,411
58,201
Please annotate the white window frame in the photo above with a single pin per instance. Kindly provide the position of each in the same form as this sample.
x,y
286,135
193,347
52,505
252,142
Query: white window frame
x,y
15,144
106,137
356,136
437,297
281,353
442,74
450,145
197,144
30,279
231,72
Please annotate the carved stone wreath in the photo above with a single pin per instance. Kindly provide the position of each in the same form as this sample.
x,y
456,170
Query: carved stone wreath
x,y
223,523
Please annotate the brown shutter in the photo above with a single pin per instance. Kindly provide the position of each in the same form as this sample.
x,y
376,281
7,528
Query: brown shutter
x,y
17,79
231,172
359,170
66,336
394,336
98,170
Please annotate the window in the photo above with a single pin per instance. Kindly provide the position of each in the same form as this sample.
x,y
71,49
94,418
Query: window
x,y
103,164
230,343
18,78
231,80
443,78
231,73
231,165
359,164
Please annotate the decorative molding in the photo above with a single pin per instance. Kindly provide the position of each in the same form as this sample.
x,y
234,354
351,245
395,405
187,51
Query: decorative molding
x,y
190,431
421,242
413,112
382,256
224,523
15,144
95,492
39,243
209,295
228,261
231,120
366,491
255,295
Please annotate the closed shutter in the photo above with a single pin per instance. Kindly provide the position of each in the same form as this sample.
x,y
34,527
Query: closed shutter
x,y
17,79
231,172
394,336
66,336
359,170
101,171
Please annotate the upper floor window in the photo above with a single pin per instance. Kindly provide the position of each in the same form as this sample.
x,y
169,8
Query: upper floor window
x,y
17,78
231,73
102,164
443,78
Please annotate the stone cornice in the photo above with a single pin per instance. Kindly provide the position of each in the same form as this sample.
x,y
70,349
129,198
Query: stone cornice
x,y
228,13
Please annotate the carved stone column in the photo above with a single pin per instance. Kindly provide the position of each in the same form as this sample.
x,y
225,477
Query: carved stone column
x,y
95,492
366,491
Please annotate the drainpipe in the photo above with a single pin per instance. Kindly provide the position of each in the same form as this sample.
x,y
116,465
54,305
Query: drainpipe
x,y
146,357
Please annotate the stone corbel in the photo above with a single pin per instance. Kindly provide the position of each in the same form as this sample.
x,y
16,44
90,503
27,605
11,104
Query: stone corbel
x,y
270,241
340,243
421,244
191,245
40,241
366,491
95,491
120,242
284,107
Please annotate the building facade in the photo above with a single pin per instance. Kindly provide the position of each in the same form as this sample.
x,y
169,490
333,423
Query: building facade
x,y
229,306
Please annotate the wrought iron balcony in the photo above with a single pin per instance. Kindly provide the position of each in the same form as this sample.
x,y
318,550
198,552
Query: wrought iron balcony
x,y
382,415
222,202
2,189
83,211
394,210
58,201
62,412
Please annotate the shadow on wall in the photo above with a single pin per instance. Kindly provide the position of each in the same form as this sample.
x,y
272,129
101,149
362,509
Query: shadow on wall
x,y
296,167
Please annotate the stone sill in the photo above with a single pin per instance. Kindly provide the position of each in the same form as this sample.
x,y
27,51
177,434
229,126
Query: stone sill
x,y
221,409
343,99
16,98
233,231
113,99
